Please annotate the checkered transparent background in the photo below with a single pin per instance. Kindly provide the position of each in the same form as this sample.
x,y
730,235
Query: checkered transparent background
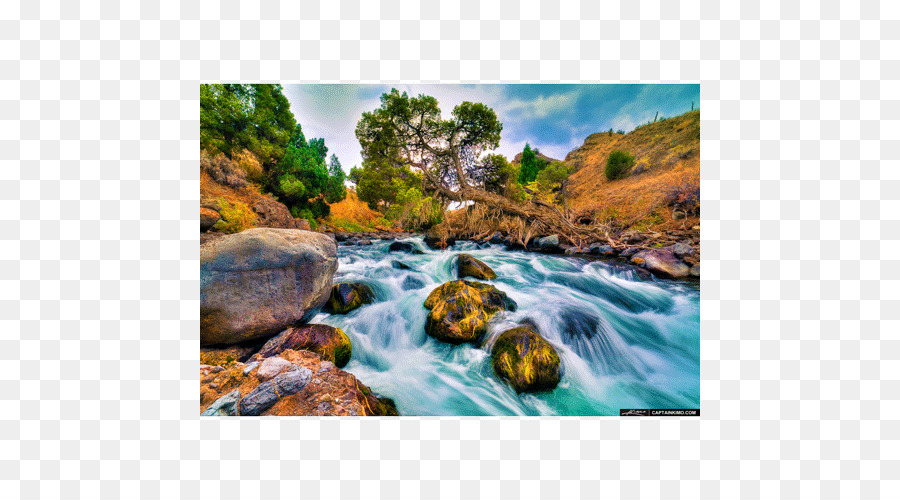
x,y
98,212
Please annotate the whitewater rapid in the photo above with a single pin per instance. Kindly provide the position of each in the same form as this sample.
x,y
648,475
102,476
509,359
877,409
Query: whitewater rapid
x,y
626,340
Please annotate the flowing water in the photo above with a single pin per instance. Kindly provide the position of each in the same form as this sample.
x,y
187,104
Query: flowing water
x,y
625,340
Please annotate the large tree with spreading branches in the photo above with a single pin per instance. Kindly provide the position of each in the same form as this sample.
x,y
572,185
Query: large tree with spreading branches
x,y
409,132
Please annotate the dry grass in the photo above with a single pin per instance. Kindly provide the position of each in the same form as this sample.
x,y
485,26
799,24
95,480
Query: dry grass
x,y
353,214
668,150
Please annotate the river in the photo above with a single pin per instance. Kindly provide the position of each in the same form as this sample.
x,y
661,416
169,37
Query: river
x,y
626,340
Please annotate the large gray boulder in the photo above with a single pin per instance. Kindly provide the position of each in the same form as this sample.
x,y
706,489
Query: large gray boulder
x,y
661,262
258,282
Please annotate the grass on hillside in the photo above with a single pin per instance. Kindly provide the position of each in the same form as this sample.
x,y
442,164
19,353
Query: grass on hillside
x,y
669,153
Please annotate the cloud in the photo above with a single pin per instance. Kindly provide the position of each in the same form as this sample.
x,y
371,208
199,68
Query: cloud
x,y
542,107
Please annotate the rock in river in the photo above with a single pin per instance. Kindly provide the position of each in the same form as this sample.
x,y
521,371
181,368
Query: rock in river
x,y
346,297
525,360
405,246
466,265
461,309
332,343
661,262
256,283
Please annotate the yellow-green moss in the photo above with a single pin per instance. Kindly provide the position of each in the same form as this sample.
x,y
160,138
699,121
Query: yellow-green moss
x,y
525,360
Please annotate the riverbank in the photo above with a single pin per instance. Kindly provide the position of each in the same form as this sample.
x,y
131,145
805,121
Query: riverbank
x,y
671,246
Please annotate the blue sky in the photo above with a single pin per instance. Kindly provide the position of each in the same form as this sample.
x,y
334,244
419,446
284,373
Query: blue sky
x,y
555,118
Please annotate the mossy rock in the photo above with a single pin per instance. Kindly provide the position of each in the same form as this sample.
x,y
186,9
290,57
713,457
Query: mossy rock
x,y
461,309
524,359
332,343
466,265
346,297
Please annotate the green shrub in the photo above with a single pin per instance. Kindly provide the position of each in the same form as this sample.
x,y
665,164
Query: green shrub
x,y
236,217
414,211
618,164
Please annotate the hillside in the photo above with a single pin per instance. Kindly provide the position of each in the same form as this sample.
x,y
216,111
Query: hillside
x,y
666,154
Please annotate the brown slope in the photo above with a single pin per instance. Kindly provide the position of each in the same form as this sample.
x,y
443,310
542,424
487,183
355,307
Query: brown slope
x,y
667,151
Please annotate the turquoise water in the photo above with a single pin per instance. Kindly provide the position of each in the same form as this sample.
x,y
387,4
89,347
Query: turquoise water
x,y
625,340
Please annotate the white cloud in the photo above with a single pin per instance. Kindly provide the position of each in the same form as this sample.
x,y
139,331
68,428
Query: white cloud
x,y
541,107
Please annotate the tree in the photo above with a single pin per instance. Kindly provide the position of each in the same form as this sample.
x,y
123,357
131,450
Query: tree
x,y
378,184
553,178
409,132
335,191
528,165
254,117
301,179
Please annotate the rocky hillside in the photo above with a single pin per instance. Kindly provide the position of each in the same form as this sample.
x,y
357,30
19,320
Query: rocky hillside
x,y
667,156
230,203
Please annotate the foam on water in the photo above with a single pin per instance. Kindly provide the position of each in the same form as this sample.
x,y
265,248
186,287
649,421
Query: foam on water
x,y
625,341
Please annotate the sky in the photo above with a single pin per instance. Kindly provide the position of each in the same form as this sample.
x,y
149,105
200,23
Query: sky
x,y
554,118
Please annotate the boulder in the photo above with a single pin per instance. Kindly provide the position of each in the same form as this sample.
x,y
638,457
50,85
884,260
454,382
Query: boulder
x,y
661,262
695,270
332,343
208,218
461,309
524,359
405,246
466,265
681,250
549,243
438,243
256,283
399,265
346,297
272,367
576,250
497,238
628,252
311,386
600,249
303,224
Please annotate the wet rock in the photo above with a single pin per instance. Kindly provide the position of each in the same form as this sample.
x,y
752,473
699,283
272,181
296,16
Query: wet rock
x,y
258,282
224,406
412,283
681,250
461,309
549,243
399,265
346,297
405,246
661,262
525,360
600,249
575,250
628,252
466,265
437,243
330,342
272,367
497,238
695,270
208,218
